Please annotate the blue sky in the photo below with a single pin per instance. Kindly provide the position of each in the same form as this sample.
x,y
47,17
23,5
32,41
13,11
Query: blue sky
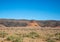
x,y
30,9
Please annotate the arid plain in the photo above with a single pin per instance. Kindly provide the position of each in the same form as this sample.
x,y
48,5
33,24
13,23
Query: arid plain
x,y
29,34
14,31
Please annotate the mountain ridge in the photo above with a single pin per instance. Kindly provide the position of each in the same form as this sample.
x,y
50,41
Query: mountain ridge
x,y
26,22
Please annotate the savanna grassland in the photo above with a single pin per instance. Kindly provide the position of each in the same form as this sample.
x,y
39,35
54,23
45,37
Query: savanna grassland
x,y
29,34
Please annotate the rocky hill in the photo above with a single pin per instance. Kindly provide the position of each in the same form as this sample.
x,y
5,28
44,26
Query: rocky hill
x,y
24,23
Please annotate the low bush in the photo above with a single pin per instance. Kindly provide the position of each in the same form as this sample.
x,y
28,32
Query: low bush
x,y
50,40
33,35
15,39
3,34
57,35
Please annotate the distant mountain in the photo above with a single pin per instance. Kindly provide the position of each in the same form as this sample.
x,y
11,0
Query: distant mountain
x,y
24,23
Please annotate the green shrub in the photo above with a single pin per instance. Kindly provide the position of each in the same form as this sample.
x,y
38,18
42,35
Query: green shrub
x,y
57,35
50,40
33,35
3,34
15,39
18,40
10,38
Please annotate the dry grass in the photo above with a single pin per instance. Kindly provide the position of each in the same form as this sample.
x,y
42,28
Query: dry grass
x,y
29,34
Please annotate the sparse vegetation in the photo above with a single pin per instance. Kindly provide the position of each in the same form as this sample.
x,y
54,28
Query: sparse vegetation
x,y
29,35
57,36
15,39
3,34
50,40
33,35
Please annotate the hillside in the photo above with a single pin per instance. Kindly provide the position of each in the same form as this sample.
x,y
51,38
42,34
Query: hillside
x,y
32,23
